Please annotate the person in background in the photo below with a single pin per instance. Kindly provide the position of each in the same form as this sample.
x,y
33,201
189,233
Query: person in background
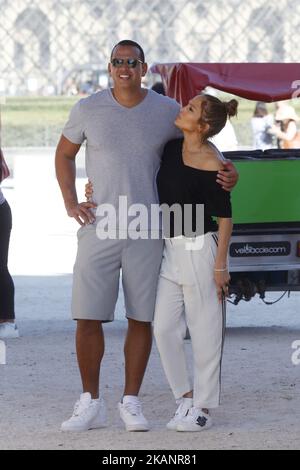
x,y
286,128
261,123
159,88
8,328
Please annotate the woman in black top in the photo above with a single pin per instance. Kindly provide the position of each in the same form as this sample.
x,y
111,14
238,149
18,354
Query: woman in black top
x,y
194,273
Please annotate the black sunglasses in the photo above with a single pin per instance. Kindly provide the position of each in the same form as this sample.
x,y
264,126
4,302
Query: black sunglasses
x,y
132,63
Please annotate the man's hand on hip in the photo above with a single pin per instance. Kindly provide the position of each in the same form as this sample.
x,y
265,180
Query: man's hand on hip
x,y
82,213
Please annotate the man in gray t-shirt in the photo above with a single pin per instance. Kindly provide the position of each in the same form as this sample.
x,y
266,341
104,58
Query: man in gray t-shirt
x,y
123,145
125,130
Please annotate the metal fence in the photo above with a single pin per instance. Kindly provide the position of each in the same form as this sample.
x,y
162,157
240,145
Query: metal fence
x,y
45,42
61,47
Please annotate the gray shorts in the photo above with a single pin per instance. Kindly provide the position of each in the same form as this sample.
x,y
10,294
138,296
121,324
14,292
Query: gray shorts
x,y
96,276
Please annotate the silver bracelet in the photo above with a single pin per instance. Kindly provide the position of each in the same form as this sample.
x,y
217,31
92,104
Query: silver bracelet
x,y
221,270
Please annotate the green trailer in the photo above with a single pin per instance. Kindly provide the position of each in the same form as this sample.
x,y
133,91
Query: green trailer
x,y
264,253
269,183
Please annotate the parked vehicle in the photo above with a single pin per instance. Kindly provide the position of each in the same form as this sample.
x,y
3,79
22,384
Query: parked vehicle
x,y
264,251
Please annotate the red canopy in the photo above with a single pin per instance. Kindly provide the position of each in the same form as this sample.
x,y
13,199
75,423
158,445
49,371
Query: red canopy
x,y
254,81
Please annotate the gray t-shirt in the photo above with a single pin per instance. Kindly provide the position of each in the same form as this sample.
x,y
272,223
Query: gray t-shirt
x,y
123,145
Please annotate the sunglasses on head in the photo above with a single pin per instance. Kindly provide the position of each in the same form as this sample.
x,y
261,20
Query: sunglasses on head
x,y
132,63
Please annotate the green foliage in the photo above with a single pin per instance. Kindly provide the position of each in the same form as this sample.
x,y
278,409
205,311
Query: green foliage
x,y
38,121
34,122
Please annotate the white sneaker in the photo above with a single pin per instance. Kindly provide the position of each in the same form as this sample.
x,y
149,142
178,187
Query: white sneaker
x,y
196,420
131,414
9,330
184,405
87,414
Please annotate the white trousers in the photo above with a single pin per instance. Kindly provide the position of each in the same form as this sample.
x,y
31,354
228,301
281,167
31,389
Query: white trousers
x,y
187,296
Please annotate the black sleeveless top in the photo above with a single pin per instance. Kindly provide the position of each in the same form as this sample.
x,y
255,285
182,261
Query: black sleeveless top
x,y
180,184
